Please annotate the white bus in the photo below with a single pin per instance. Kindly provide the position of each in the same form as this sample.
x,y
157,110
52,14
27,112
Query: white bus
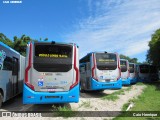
x,y
100,71
125,72
133,76
51,74
12,66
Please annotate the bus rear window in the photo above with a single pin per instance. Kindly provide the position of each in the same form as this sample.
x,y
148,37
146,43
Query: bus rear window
x,y
123,66
131,68
106,61
144,68
52,57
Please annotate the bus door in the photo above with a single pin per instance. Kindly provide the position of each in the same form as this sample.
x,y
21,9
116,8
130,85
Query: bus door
x,y
15,76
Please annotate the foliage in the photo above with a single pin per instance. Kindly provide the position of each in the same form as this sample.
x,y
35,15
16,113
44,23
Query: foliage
x,y
132,60
19,44
153,55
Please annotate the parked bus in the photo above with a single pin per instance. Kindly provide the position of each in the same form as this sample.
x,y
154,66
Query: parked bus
x,y
132,70
153,73
100,71
51,74
143,72
11,73
125,72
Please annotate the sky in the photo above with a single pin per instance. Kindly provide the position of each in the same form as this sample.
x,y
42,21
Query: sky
x,y
123,26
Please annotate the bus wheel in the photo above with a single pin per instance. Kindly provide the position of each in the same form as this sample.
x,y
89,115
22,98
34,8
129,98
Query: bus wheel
x,y
1,99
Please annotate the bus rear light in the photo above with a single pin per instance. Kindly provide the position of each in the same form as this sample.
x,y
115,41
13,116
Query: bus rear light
x,y
119,68
30,86
28,68
75,68
93,69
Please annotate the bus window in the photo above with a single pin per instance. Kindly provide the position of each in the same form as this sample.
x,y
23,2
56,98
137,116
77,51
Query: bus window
x,y
106,61
53,58
123,66
131,68
153,69
7,64
144,68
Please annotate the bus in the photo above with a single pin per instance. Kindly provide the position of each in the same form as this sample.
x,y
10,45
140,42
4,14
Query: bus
x,y
125,72
100,71
133,76
153,73
12,66
51,73
143,72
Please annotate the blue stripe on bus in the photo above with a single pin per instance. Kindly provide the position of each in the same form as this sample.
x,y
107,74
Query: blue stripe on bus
x,y
126,81
95,85
32,97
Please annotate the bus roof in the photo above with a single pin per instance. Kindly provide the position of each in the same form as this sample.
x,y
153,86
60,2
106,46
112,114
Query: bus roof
x,y
53,42
124,59
6,46
96,52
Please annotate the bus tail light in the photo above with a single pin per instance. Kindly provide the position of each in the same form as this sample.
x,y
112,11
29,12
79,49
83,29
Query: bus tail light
x,y
93,69
75,68
27,69
119,68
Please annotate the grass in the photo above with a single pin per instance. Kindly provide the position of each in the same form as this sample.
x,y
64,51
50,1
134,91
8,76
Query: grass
x,y
114,96
149,100
85,104
64,111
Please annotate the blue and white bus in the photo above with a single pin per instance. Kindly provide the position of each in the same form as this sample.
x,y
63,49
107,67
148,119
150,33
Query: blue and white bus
x,y
51,74
133,74
100,71
12,66
125,72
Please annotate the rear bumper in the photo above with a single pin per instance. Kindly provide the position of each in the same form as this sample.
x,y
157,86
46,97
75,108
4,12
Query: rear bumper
x,y
95,85
32,97
126,81
133,80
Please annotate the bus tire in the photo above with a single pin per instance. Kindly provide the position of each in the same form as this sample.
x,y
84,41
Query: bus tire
x,y
1,100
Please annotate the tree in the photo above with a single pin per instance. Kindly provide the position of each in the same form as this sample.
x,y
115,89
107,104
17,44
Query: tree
x,y
132,60
153,55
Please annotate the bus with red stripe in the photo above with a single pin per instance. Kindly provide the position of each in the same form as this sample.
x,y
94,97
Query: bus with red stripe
x,y
100,71
125,73
51,74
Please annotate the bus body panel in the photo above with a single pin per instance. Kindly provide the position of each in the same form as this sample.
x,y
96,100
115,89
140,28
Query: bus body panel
x,y
125,72
47,74
32,97
105,79
11,72
105,85
133,77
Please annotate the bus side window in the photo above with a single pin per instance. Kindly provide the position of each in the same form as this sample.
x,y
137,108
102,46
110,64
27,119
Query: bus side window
x,y
7,65
83,68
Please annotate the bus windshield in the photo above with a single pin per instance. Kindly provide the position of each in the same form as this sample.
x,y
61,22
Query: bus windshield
x,y
106,61
131,68
123,66
52,57
144,68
